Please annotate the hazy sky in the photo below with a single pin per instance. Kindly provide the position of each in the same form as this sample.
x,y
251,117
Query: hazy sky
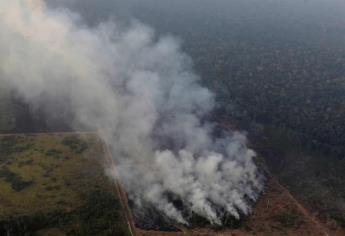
x,y
304,20
294,10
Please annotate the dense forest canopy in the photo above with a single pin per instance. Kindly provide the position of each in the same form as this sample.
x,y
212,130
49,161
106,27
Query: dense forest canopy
x,y
277,66
277,62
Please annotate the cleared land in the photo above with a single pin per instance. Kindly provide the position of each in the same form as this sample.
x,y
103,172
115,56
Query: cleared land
x,y
54,184
276,214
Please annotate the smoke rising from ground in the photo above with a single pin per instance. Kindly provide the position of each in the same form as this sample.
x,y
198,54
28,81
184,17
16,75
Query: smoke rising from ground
x,y
140,93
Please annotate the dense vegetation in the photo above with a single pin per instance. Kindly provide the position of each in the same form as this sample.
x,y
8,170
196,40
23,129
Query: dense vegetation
x,y
55,185
271,65
7,117
279,74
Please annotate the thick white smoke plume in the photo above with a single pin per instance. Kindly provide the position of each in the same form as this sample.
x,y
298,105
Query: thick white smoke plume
x,y
142,96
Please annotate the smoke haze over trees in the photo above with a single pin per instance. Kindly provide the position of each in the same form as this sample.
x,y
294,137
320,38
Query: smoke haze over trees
x,y
274,65
271,65
141,94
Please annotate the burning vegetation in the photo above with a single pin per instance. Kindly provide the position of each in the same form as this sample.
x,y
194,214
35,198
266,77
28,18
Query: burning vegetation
x,y
140,92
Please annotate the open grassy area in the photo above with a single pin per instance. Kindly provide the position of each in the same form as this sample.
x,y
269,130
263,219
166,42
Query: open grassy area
x,y
54,184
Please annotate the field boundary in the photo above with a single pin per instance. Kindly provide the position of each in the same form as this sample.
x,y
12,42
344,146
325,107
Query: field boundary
x,y
120,192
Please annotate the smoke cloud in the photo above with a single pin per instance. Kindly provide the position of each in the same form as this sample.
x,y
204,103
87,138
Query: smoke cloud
x,y
141,94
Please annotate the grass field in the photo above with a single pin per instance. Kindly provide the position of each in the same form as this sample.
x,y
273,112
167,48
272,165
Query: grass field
x,y
54,184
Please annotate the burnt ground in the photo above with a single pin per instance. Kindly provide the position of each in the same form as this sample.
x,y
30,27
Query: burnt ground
x,y
277,213
313,175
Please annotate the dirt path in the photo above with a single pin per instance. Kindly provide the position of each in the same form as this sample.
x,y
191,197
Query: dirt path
x,y
108,158
304,211
128,213
120,192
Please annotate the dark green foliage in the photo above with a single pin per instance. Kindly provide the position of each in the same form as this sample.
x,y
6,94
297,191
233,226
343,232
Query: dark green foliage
x,y
13,144
7,144
92,209
53,152
17,183
79,146
315,178
21,226
100,215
